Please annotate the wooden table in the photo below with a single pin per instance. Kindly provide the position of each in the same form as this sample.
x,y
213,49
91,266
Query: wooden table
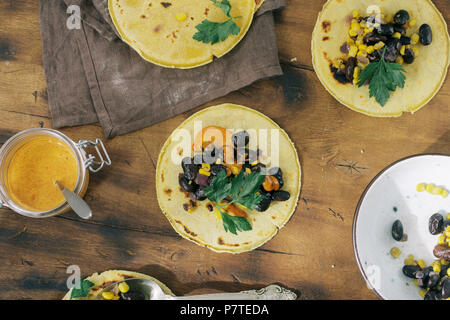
x,y
340,151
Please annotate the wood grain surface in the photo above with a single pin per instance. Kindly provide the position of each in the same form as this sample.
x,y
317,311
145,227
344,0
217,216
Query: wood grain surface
x,y
340,151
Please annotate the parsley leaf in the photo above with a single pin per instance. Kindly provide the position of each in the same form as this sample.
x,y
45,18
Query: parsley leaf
x,y
214,32
384,77
243,189
83,290
234,224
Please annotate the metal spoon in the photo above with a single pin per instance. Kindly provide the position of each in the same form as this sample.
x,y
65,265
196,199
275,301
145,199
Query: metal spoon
x,y
152,291
78,205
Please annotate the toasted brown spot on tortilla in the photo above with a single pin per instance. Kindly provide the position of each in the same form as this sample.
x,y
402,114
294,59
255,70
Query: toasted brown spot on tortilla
x,y
162,177
185,206
168,191
157,28
326,26
206,11
143,16
325,38
166,4
186,229
223,243
210,207
180,151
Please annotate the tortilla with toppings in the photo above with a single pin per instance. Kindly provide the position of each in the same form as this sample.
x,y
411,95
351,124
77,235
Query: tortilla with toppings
x,y
344,44
165,32
107,278
204,198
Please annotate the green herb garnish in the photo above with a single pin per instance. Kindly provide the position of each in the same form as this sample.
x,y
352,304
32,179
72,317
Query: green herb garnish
x,y
384,77
214,32
243,189
84,287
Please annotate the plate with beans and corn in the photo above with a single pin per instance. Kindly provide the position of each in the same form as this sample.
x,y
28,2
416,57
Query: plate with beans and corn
x,y
401,230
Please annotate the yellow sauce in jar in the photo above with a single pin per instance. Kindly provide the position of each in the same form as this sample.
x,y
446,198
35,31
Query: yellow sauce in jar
x,y
34,169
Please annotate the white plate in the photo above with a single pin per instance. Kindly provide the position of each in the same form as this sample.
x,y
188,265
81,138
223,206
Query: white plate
x,y
390,196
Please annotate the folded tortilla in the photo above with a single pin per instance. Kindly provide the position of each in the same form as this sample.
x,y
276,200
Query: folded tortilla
x,y
202,226
424,77
153,30
107,278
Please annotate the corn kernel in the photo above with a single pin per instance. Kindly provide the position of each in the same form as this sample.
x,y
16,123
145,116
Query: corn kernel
x,y
353,51
218,215
429,188
399,60
350,41
116,298
395,252
181,16
219,161
397,35
235,170
254,163
248,170
204,172
422,293
359,42
370,49
379,45
355,13
448,216
444,262
412,22
107,295
352,33
436,191
389,18
206,166
402,50
410,262
437,268
415,38
441,239
444,193
416,282
362,47
421,263
124,287
420,187
448,272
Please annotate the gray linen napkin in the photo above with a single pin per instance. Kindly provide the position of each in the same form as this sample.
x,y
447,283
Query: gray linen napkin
x,y
93,76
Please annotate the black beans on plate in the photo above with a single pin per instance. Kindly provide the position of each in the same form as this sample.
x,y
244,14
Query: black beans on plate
x,y
436,224
397,230
425,34
401,17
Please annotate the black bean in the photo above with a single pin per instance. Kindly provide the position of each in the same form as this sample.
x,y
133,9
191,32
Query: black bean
x,y
281,195
352,62
405,40
409,56
445,289
259,167
410,271
184,183
385,30
215,169
399,29
432,295
397,230
433,279
401,17
372,38
202,180
265,203
200,194
425,34
240,139
443,272
442,252
393,46
436,224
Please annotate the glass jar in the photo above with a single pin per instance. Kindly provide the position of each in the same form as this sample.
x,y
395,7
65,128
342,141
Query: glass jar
x,y
85,163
